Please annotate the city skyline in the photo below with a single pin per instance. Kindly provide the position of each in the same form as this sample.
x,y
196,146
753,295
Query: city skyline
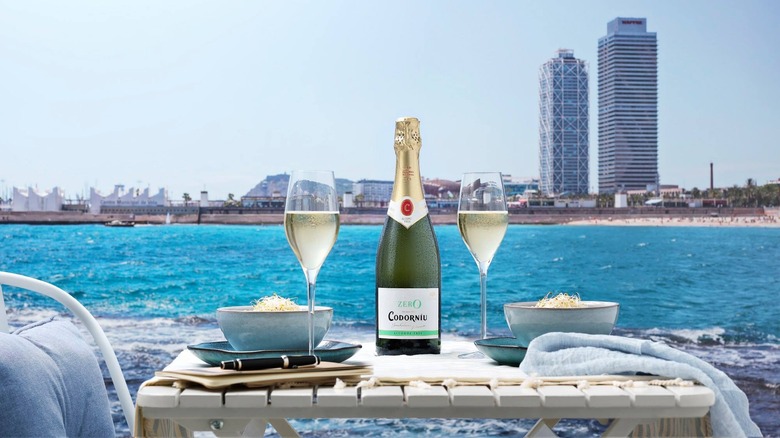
x,y
209,97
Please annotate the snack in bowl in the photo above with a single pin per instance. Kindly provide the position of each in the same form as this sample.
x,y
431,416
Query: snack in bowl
x,y
561,313
560,301
272,323
275,303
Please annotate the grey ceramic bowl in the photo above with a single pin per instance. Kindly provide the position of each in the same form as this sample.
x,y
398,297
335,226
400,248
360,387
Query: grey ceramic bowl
x,y
249,330
504,350
527,321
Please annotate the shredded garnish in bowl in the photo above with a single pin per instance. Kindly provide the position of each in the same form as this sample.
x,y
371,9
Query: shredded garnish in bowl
x,y
275,303
560,301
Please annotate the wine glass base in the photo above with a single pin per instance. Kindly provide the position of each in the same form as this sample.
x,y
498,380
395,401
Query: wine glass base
x,y
472,355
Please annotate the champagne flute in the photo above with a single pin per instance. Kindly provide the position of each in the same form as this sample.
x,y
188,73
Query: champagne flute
x,y
311,224
482,221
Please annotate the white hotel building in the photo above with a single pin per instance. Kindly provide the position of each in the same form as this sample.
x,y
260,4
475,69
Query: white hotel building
x,y
31,199
125,199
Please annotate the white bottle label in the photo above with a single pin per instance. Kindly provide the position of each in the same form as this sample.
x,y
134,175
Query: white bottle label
x,y
408,313
407,212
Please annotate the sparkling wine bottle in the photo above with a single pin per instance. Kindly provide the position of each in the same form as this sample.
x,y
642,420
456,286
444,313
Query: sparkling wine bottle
x,y
408,267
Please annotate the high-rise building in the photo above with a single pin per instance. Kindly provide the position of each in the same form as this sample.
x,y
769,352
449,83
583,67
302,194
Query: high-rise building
x,y
563,125
628,106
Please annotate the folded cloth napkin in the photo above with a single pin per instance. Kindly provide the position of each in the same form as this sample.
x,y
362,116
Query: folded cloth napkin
x,y
560,354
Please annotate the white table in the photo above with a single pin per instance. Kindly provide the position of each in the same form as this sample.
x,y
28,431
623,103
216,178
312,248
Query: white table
x,y
243,411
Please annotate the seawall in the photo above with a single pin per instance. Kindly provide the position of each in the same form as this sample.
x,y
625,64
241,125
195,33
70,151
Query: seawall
x,y
377,216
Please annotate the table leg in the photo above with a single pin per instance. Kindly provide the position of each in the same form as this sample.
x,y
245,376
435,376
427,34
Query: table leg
x,y
256,427
220,427
543,428
621,427
283,428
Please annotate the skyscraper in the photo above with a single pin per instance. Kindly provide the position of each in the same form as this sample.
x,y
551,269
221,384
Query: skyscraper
x,y
628,106
563,125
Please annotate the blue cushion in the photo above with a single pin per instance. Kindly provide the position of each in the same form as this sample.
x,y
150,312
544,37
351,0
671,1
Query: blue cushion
x,y
51,384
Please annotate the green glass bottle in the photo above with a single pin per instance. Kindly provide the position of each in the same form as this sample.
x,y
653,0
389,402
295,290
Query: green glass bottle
x,y
408,266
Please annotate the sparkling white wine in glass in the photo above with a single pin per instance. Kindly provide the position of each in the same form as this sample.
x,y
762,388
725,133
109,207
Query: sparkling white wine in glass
x,y
483,232
311,235
311,224
482,222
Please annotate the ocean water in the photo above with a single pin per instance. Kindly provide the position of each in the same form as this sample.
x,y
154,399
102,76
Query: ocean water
x,y
712,292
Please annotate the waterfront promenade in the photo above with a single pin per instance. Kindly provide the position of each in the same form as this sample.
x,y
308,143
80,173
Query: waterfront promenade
x,y
646,216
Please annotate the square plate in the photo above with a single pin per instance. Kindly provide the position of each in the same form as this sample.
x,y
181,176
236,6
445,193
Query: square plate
x,y
213,353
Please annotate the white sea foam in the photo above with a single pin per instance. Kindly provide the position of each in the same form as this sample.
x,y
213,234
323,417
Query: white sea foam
x,y
759,360
412,427
699,342
693,335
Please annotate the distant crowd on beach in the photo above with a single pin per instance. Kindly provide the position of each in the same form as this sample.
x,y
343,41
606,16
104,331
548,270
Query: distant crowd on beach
x,y
703,221
753,217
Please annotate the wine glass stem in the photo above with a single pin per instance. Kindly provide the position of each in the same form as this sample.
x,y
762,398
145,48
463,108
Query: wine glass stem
x,y
311,280
483,267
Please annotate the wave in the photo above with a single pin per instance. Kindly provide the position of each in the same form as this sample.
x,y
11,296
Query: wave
x,y
437,427
712,335
707,336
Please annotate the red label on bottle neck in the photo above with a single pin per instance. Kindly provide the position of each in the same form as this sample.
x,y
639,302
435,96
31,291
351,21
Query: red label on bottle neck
x,y
407,207
407,211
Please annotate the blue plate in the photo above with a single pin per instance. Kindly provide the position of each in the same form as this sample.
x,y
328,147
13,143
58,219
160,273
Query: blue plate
x,y
504,350
213,353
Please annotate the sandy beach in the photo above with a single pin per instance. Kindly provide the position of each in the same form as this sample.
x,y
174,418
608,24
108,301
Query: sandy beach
x,y
552,216
739,221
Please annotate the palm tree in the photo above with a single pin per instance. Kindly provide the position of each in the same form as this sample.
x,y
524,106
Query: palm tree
x,y
187,199
605,200
231,201
734,195
768,195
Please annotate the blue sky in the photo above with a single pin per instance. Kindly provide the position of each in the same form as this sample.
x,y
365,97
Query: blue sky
x,y
193,95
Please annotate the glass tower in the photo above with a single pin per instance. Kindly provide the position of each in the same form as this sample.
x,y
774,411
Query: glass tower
x,y
628,106
563,125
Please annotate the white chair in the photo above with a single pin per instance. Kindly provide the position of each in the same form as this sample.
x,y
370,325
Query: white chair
x,y
89,322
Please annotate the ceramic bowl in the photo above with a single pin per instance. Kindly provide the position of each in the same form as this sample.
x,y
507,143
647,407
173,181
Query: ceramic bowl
x,y
527,321
504,350
250,330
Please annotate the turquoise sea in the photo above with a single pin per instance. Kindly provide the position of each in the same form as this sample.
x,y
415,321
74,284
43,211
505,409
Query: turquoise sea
x,y
712,292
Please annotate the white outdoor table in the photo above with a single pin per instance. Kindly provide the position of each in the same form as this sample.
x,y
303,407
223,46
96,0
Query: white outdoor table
x,y
243,411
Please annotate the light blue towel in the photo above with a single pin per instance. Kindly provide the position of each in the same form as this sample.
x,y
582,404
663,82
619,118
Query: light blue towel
x,y
572,354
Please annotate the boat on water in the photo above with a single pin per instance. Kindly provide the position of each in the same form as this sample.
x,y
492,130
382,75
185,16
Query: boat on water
x,y
118,223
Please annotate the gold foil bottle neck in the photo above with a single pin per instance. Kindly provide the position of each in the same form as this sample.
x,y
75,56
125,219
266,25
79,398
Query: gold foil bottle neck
x,y
407,135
